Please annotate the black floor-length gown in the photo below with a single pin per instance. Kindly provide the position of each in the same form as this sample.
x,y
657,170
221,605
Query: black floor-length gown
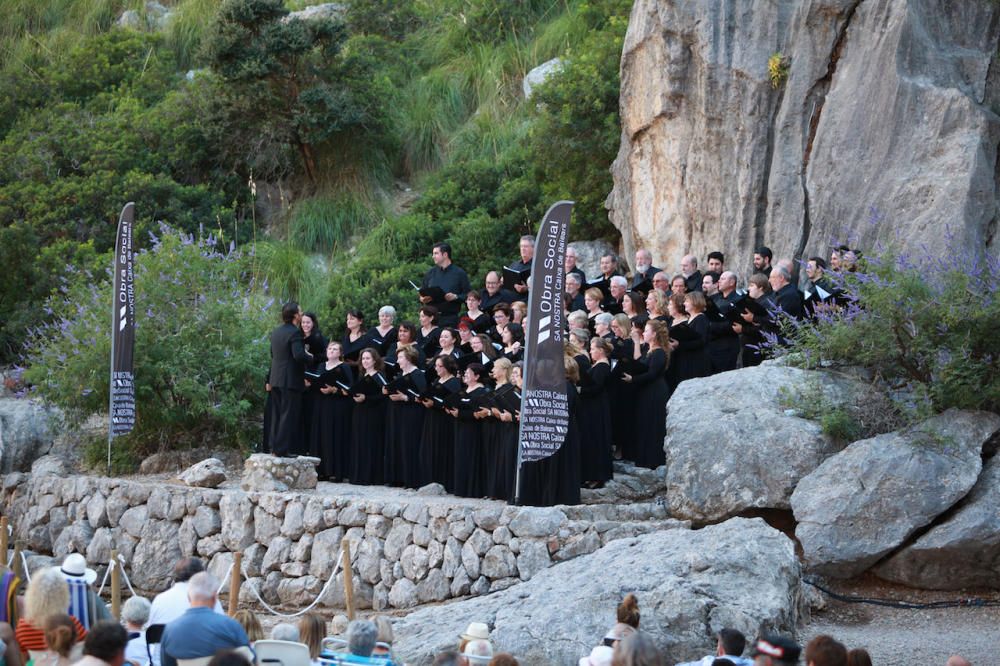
x,y
496,456
330,435
621,398
651,402
470,472
594,419
403,426
368,433
437,441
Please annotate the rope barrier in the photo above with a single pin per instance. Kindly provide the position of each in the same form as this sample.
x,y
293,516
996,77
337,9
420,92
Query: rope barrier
x,y
906,605
24,563
253,589
111,565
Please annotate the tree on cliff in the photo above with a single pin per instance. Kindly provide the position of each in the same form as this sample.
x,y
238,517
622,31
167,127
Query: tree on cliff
x,y
284,85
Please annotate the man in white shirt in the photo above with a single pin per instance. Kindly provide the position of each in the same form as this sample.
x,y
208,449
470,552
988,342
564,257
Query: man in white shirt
x,y
173,602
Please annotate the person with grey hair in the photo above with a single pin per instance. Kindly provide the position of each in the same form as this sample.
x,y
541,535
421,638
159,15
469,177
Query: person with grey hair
x,y
569,264
361,637
135,615
526,247
723,341
643,269
200,632
617,286
285,632
383,336
692,276
602,325
574,293
786,295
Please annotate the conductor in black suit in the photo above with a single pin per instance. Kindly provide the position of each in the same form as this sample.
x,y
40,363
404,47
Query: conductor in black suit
x,y
287,380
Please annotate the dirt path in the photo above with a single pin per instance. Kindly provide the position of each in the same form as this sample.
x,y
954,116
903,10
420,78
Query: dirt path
x,y
902,636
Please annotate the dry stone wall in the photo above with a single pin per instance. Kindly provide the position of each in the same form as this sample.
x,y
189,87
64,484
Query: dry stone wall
x,y
412,550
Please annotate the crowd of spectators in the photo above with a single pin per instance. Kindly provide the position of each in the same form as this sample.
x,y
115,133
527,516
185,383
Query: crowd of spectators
x,y
63,623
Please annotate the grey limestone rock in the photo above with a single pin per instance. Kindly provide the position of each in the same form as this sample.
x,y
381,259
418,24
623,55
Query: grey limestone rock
x,y
960,552
537,521
538,75
738,471
435,587
26,435
690,584
264,472
414,561
278,552
158,550
533,556
403,594
207,521
866,501
499,562
209,473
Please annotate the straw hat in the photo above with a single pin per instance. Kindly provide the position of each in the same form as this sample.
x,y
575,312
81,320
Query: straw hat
x,y
75,566
476,631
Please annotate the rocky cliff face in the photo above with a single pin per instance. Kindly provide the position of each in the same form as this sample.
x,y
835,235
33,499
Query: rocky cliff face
x,y
886,127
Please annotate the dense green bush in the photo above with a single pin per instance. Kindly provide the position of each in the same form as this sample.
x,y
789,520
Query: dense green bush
x,y
577,130
925,328
200,353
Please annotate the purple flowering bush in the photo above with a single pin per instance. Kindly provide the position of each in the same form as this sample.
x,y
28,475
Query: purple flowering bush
x,y
927,327
200,353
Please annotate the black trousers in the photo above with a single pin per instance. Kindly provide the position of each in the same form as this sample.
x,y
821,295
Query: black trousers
x,y
286,420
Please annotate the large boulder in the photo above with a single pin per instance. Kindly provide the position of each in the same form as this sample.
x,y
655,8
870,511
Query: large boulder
x,y
867,500
208,473
690,584
27,430
716,156
539,75
733,442
963,551
264,472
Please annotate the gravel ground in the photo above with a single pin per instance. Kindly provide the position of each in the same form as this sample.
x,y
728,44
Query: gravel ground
x,y
904,636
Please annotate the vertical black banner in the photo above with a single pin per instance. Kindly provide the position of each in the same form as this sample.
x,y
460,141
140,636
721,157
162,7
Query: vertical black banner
x,y
122,406
544,403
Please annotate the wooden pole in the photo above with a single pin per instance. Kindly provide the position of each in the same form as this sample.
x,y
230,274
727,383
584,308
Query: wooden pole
x,y
234,582
4,541
17,565
345,547
116,585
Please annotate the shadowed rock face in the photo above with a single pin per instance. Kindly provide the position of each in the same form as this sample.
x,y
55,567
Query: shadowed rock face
x,y
886,127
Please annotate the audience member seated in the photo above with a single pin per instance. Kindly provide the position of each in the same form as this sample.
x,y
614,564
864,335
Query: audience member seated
x,y
730,646
776,651
447,658
823,650
384,638
248,620
135,615
599,656
229,658
173,602
201,632
47,594
361,639
285,632
957,660
628,611
476,631
859,657
312,630
105,645
478,652
84,604
504,659
62,647
637,650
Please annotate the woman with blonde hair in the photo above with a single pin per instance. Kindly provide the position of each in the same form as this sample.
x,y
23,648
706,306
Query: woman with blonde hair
x,y
312,631
248,620
47,594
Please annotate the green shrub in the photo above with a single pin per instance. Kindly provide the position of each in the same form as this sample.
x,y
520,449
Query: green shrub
x,y
200,352
927,329
326,223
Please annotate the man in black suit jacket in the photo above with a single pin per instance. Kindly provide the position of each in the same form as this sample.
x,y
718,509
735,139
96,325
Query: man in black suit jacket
x,y
644,268
786,295
287,381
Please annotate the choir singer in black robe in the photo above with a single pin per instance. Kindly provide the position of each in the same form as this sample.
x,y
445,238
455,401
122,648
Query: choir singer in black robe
x,y
404,421
651,394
